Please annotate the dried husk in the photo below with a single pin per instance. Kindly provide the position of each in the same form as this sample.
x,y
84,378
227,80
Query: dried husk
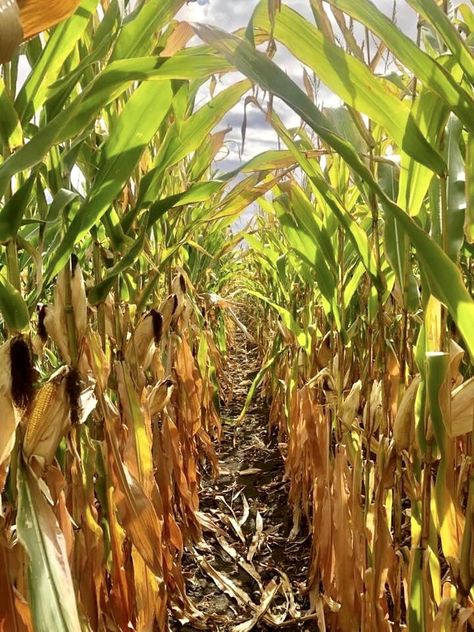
x,y
55,319
404,424
159,396
462,408
146,336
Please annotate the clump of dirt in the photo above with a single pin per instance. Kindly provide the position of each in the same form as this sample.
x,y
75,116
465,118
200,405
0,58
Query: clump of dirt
x,y
246,557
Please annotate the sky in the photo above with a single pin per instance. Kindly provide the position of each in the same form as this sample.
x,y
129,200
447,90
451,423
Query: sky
x,y
232,14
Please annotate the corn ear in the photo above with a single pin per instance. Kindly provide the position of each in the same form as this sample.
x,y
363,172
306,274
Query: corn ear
x,y
159,396
178,287
37,419
78,299
147,334
48,419
404,425
167,310
55,325
52,318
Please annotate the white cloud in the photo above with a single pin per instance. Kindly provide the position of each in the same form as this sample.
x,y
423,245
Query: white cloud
x,y
232,14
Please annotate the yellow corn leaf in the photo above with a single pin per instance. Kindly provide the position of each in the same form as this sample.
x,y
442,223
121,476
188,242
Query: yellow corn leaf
x,y
121,593
178,39
136,511
148,591
98,362
137,452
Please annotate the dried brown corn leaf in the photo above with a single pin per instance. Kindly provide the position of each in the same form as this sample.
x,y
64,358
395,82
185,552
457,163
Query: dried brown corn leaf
x,y
223,582
136,511
268,596
39,15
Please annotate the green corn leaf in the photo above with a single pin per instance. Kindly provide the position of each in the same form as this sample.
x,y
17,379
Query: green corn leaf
x,y
352,81
102,41
188,137
321,187
109,85
51,590
443,276
257,381
307,247
438,391
431,114
138,35
138,123
456,188
434,76
12,213
12,307
417,616
434,14
10,129
287,319
99,292
302,209
46,69
199,192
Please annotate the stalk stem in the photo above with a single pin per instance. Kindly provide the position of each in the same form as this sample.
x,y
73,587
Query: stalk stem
x,y
13,269
70,323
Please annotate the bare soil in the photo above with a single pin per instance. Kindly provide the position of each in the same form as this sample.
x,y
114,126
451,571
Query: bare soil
x,y
247,508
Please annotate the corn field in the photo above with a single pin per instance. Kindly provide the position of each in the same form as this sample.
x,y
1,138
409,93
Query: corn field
x,y
127,288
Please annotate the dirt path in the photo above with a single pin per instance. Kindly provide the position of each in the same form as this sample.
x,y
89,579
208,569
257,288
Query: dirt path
x,y
246,569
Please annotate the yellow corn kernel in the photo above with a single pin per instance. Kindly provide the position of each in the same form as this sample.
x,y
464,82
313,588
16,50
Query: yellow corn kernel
x,y
37,419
